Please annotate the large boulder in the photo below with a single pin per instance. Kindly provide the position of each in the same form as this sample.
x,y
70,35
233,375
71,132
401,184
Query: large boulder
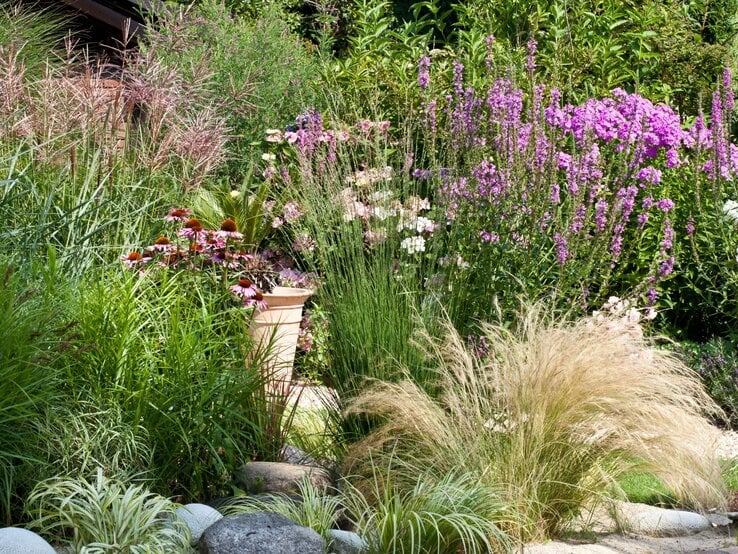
x,y
198,517
643,519
14,540
259,533
260,477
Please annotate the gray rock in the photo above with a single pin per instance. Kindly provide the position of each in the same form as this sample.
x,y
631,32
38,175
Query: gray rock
x,y
661,522
198,517
259,477
346,542
14,540
293,455
260,533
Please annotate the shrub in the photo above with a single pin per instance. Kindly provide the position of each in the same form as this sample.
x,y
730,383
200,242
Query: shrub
x,y
553,413
106,515
176,358
716,362
254,73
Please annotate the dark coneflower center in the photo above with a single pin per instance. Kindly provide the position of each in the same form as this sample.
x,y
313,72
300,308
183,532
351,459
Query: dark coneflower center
x,y
178,212
229,226
258,296
134,257
245,283
162,241
194,224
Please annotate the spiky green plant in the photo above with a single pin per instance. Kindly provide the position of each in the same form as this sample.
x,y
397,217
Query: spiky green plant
x,y
456,513
105,515
553,413
30,357
314,509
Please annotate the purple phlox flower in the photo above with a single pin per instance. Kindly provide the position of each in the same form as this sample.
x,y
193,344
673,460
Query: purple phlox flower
x,y
489,59
667,267
616,244
490,184
651,295
555,196
601,215
423,174
649,174
668,239
577,223
486,236
424,72
690,227
665,205
458,78
562,252
672,158
530,60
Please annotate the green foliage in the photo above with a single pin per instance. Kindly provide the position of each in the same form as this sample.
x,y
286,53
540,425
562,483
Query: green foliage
x,y
175,356
255,73
315,508
78,437
646,488
716,362
31,33
105,515
32,345
456,513
88,207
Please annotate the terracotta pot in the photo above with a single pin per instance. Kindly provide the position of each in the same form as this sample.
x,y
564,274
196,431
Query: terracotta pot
x,y
277,328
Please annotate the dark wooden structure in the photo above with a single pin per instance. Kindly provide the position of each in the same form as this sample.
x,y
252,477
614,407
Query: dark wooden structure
x,y
118,15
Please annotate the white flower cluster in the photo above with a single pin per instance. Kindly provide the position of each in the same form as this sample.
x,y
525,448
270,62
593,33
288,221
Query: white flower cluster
x,y
624,310
369,176
418,224
730,210
413,244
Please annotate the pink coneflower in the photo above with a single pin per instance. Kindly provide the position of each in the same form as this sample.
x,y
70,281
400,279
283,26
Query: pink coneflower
x,y
229,229
245,288
191,229
162,244
257,301
178,214
132,259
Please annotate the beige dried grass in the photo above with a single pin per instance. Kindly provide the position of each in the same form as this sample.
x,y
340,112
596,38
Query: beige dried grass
x,y
554,414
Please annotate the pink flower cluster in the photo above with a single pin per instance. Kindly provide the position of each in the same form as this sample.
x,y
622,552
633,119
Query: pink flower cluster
x,y
223,251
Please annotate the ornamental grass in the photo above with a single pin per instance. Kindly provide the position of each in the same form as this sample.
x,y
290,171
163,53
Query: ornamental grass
x,y
551,415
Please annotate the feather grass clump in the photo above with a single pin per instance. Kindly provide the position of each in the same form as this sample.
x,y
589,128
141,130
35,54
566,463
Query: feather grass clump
x,y
552,415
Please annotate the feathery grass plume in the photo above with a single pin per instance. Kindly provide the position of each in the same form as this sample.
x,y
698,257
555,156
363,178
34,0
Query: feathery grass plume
x,y
554,412
106,515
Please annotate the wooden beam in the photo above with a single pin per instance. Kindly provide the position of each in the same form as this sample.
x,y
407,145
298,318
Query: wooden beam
x,y
107,15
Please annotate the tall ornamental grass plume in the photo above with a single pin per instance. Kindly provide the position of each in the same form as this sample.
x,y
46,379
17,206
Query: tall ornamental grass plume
x,y
554,412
